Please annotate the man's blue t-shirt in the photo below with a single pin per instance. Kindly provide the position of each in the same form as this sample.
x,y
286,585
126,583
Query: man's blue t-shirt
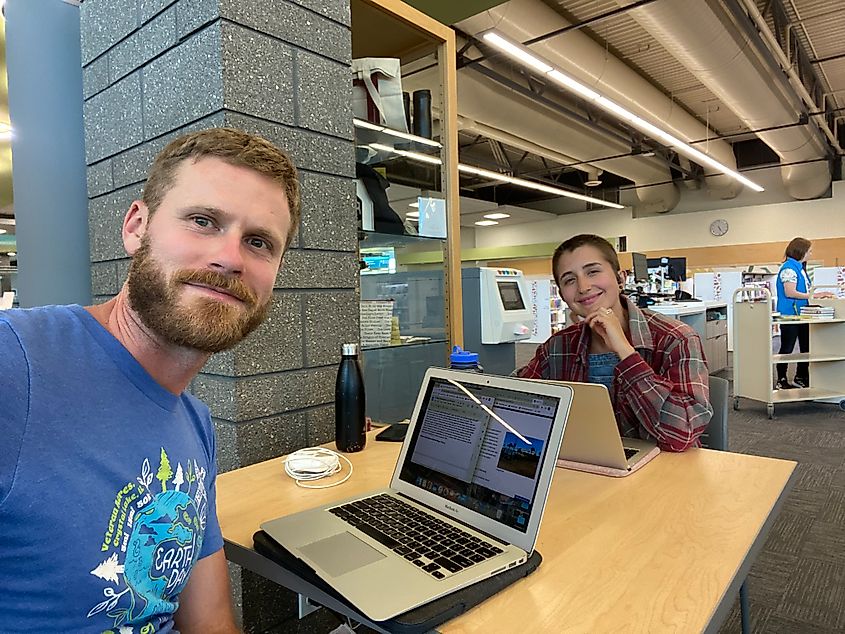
x,y
107,495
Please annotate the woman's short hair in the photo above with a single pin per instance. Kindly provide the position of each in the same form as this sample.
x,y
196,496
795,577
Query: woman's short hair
x,y
797,248
587,239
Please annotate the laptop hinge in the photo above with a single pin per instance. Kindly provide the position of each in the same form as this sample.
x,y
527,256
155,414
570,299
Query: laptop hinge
x,y
457,521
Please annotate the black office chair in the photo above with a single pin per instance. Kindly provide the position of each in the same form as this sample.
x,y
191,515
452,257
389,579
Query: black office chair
x,y
716,437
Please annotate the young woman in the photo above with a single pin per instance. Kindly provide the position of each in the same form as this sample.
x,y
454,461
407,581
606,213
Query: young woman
x,y
653,366
792,289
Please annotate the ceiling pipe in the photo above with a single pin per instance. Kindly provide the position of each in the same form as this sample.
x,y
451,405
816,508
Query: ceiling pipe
x,y
590,63
474,127
538,124
517,116
787,67
703,37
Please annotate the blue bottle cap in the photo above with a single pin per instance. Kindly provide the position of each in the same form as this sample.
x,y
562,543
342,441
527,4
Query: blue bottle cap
x,y
463,356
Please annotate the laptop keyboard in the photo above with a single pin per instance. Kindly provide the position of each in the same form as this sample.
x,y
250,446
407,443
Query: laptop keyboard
x,y
630,453
437,547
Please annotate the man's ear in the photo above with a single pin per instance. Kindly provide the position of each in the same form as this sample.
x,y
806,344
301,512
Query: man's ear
x,y
135,226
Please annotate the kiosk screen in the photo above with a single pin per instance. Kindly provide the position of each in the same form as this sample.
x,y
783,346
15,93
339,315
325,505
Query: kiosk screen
x,y
511,297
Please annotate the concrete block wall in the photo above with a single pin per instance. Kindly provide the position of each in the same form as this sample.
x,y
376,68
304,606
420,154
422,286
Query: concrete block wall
x,y
154,69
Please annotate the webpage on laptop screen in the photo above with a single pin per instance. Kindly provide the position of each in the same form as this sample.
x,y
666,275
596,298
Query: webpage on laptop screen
x,y
487,462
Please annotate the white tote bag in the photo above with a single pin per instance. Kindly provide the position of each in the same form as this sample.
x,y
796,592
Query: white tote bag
x,y
377,91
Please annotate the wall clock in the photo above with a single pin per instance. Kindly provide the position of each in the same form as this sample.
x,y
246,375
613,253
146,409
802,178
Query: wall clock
x,y
719,227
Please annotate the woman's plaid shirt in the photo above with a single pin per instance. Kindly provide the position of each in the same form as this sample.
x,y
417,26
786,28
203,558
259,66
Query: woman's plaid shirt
x,y
660,393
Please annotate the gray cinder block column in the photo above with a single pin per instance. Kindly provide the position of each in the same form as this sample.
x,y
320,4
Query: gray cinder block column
x,y
153,69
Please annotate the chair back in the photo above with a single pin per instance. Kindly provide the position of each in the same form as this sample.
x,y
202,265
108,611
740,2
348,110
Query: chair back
x,y
716,435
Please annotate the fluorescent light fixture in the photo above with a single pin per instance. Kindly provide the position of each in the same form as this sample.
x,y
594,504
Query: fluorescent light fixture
x,y
417,156
477,171
525,56
486,223
415,205
12,254
517,52
366,125
504,178
497,216
541,187
413,214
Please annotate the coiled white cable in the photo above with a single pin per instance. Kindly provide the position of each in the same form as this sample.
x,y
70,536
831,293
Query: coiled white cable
x,y
315,463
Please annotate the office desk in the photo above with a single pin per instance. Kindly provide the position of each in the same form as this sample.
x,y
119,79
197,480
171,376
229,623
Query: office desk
x,y
665,549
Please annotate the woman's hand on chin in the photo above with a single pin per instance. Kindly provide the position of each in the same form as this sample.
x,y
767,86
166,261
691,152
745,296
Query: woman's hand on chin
x,y
605,323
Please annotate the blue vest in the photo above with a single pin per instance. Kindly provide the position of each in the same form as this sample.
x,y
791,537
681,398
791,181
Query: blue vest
x,y
788,305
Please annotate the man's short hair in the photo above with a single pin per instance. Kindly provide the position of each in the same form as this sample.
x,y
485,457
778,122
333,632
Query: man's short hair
x,y
234,147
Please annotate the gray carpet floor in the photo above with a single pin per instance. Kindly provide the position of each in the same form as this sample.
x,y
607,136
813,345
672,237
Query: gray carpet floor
x,y
797,583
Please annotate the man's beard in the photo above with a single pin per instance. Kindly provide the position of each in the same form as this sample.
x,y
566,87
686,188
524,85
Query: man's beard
x,y
201,323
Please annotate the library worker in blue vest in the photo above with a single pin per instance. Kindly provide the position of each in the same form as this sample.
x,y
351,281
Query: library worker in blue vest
x,y
793,287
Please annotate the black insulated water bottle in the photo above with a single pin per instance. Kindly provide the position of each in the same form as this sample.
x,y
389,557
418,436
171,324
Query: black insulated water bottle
x,y
349,402
422,113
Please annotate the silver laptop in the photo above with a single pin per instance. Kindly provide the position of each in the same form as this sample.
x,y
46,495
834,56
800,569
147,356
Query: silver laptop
x,y
464,503
592,436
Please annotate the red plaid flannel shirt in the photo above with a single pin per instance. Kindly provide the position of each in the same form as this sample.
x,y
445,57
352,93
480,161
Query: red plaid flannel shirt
x,y
660,393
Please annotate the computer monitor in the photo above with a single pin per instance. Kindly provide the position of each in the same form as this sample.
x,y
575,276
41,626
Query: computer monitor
x,y
678,269
640,266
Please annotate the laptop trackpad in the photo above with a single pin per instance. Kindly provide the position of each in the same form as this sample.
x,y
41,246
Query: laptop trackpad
x,y
341,553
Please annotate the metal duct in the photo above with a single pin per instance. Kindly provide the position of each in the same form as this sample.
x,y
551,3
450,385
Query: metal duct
x,y
581,57
474,127
483,100
703,37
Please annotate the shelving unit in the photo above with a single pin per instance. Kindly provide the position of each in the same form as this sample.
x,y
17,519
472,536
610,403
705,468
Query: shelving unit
x,y
753,358
426,299
547,307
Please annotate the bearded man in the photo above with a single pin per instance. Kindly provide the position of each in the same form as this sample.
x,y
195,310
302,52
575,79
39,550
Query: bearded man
x,y
107,466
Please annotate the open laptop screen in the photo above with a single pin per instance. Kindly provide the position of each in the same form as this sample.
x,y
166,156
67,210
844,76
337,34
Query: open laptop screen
x,y
462,453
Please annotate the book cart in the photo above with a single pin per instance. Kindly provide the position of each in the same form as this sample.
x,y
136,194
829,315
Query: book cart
x,y
753,358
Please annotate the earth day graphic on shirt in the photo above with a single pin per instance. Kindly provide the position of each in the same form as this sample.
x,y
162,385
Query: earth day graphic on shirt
x,y
152,541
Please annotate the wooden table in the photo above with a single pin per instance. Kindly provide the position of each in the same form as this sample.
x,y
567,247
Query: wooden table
x,y
665,549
